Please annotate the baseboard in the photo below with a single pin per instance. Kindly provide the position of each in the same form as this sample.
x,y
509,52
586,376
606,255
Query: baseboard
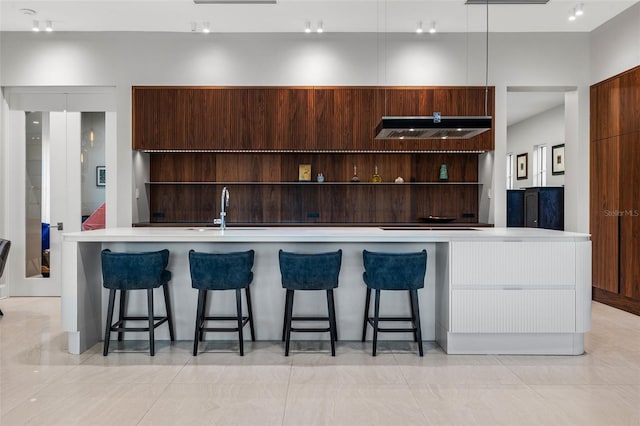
x,y
616,300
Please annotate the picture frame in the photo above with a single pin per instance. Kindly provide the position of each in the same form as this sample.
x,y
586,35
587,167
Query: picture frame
x,y
304,172
557,159
101,176
522,166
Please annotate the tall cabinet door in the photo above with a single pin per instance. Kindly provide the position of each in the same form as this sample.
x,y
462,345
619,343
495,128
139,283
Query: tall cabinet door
x,y
605,203
629,215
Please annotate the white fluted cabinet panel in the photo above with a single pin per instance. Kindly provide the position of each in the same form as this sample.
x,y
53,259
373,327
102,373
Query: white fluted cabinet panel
x,y
513,311
500,263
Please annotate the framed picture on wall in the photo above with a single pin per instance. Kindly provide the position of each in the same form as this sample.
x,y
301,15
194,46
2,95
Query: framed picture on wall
x,y
522,166
101,176
557,159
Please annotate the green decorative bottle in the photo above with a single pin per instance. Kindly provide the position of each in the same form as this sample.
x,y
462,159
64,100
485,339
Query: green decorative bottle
x,y
444,175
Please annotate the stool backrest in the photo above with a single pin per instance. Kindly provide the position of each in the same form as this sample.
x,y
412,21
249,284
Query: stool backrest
x,y
5,245
310,271
131,271
221,271
394,271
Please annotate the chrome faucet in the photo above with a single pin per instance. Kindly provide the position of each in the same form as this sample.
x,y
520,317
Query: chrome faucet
x,y
224,203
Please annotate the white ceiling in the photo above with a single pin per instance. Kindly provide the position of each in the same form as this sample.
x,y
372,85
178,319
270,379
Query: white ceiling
x,y
291,15
524,105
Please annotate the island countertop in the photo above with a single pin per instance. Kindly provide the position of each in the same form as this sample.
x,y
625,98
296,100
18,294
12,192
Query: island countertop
x,y
487,290
321,234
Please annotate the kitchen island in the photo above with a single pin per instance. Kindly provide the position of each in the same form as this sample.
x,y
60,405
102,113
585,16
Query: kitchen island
x,y
487,290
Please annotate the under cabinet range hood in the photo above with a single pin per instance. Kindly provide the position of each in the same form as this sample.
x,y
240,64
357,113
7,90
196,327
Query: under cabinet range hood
x,y
432,127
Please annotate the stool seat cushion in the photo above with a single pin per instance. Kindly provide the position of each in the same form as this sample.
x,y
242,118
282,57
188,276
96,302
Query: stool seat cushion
x,y
317,271
394,271
134,271
221,271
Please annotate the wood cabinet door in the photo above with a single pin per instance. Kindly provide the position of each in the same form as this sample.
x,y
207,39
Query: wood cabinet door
x,y
629,215
605,110
160,118
604,205
346,117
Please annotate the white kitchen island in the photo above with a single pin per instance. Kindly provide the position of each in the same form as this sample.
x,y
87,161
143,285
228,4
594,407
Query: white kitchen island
x,y
487,290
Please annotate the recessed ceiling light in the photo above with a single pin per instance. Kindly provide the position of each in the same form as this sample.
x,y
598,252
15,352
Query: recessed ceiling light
x,y
27,11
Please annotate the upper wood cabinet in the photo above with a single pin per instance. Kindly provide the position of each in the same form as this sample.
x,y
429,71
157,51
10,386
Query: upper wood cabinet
x,y
295,118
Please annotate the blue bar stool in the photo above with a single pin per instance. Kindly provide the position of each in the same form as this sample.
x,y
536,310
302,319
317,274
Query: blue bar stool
x,y
135,271
310,272
394,271
222,271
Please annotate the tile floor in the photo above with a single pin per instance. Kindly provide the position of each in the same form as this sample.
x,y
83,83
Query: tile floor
x,y
40,383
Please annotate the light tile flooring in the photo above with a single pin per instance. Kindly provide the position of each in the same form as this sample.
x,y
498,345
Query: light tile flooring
x,y
40,383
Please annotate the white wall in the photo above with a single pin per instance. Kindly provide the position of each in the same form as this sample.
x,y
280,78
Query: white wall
x,y
93,156
126,59
545,128
615,45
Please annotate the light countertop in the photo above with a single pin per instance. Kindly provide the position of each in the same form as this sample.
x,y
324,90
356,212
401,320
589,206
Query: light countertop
x,y
320,234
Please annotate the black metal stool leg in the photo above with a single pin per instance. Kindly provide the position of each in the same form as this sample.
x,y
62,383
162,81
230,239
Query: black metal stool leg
x,y
284,320
413,316
199,325
376,318
250,314
366,314
122,312
107,331
167,302
288,315
1,313
204,314
332,321
239,314
152,346
416,319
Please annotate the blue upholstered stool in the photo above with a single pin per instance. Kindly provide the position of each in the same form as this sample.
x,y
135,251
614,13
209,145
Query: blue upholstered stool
x,y
394,271
222,271
135,271
310,272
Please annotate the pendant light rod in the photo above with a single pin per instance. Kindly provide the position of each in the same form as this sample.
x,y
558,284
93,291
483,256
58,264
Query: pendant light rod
x,y
486,70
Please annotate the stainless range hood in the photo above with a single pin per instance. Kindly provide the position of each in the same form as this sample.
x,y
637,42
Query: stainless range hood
x,y
432,127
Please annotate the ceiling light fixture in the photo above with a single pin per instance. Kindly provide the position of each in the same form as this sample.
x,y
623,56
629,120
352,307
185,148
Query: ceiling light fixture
x,y
419,27
36,26
307,27
432,30
572,15
205,27
194,27
320,29
49,27
580,9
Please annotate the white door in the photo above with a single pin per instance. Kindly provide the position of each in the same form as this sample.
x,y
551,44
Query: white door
x,y
74,144
35,271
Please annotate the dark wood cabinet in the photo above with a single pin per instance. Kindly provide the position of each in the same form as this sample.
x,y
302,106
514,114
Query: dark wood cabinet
x,y
296,118
615,190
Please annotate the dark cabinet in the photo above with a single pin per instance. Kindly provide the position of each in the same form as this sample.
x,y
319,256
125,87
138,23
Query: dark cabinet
x,y
515,208
538,207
